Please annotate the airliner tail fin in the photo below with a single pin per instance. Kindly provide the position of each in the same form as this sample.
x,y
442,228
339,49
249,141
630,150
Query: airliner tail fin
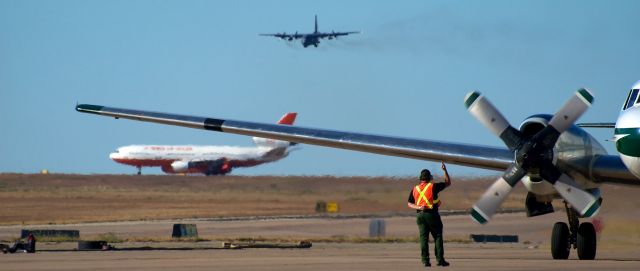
x,y
287,119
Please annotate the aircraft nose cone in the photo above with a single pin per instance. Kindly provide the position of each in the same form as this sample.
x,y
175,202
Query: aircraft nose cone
x,y
636,85
115,155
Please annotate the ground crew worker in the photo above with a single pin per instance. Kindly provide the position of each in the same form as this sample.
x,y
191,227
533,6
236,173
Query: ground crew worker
x,y
424,199
31,244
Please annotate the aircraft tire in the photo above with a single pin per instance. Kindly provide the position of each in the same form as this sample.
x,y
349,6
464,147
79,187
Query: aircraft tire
x,y
586,241
560,241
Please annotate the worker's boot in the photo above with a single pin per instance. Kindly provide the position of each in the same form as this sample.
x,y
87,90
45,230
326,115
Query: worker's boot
x,y
443,263
427,264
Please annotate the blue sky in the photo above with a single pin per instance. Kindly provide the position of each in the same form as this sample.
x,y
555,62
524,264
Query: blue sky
x,y
405,75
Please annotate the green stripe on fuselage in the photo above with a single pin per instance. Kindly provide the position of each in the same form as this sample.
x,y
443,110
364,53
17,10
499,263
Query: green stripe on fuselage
x,y
629,144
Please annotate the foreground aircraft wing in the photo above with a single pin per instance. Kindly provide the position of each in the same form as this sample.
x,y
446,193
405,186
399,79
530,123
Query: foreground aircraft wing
x,y
605,168
455,153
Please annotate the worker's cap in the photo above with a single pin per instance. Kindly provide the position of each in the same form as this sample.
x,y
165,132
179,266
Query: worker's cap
x,y
425,175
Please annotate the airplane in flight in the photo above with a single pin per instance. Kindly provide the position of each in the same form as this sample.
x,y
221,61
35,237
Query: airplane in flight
x,y
549,154
311,38
207,160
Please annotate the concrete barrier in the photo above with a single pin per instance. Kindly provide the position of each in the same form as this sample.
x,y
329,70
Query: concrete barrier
x,y
488,238
70,234
184,230
92,245
377,228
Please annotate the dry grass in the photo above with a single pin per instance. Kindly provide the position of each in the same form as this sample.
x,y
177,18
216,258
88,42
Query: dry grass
x,y
61,199
113,239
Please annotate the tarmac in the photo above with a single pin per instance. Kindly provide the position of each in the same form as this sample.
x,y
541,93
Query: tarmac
x,y
531,253
323,256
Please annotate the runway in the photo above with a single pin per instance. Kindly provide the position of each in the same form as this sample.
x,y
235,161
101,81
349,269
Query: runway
x,y
532,253
323,256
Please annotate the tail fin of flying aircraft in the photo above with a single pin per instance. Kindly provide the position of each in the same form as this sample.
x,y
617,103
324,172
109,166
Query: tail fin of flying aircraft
x,y
287,119
316,25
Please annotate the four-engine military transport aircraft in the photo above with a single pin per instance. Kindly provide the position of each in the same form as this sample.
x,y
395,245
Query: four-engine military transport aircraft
x,y
550,155
208,160
311,38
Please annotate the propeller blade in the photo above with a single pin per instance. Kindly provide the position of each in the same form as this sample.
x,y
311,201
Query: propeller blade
x,y
582,201
572,110
490,117
491,200
565,117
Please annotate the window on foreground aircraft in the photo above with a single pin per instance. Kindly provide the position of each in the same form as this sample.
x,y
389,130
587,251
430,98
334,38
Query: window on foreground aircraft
x,y
633,96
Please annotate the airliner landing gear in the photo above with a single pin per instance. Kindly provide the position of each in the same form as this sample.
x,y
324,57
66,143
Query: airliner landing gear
x,y
139,170
576,235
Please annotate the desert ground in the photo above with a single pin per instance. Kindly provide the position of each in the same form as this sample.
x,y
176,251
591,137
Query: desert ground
x,y
138,211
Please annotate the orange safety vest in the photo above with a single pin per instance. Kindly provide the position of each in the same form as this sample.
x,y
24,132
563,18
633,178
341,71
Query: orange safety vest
x,y
423,195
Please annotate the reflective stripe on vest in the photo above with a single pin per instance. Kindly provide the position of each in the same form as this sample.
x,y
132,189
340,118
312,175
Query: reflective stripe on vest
x,y
424,197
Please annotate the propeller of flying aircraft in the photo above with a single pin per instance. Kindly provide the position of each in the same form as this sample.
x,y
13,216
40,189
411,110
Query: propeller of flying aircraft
x,y
534,155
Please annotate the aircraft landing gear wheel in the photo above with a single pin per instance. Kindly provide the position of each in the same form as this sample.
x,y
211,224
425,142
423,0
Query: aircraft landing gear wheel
x,y
586,241
560,241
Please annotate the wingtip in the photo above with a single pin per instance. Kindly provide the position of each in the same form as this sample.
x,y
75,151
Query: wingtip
x,y
90,108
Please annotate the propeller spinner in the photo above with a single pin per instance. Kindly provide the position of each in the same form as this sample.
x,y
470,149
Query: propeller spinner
x,y
533,155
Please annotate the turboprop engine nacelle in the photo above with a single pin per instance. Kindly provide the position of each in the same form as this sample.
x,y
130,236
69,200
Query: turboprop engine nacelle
x,y
180,166
572,144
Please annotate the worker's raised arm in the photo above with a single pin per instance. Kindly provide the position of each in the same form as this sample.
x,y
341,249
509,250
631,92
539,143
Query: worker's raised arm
x,y
447,179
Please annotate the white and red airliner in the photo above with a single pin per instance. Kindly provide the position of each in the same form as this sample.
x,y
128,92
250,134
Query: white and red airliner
x,y
208,160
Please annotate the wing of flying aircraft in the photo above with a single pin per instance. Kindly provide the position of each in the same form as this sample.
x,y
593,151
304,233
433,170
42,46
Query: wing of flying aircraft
x,y
334,35
284,36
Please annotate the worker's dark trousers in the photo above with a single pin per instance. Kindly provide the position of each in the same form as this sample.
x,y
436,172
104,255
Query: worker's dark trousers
x,y
430,223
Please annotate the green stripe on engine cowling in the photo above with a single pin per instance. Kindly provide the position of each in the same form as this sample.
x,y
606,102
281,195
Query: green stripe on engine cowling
x,y
629,144
478,217
471,98
586,95
89,108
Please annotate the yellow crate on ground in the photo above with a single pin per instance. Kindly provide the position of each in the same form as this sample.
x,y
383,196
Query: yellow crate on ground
x,y
332,207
